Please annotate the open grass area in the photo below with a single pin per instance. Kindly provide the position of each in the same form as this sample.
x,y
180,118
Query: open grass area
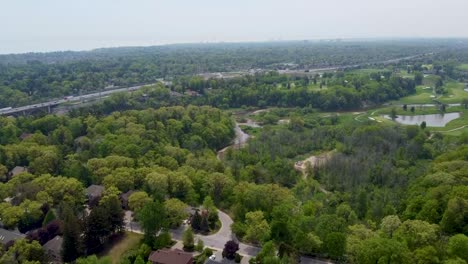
x,y
422,96
121,245
463,67
419,110
455,93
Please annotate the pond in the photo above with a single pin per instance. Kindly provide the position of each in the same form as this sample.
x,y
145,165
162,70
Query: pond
x,y
435,120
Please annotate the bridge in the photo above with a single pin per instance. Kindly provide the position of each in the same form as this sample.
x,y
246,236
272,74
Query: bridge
x,y
48,106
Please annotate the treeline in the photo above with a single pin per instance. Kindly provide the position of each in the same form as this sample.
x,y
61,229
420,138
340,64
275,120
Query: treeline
x,y
33,77
338,91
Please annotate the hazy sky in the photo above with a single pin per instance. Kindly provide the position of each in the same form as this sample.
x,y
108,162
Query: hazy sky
x,y
46,25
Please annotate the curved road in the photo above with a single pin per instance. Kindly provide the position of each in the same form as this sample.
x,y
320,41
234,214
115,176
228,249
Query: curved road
x,y
217,240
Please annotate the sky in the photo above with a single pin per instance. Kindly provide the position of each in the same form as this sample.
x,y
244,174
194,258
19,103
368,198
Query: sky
x,y
55,25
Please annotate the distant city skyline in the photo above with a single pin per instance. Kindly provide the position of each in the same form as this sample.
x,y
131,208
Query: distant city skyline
x,y
57,25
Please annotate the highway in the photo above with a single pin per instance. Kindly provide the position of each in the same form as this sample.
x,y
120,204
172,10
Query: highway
x,y
68,99
105,93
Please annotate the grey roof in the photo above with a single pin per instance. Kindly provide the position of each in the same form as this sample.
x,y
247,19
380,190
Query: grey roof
x,y
54,245
7,236
17,170
94,190
125,196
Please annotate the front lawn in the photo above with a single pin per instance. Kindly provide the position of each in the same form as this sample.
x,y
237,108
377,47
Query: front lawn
x,y
121,245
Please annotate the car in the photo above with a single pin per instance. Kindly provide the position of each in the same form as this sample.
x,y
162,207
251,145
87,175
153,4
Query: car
x,y
212,257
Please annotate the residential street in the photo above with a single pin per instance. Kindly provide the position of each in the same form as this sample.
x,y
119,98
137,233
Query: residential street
x,y
215,241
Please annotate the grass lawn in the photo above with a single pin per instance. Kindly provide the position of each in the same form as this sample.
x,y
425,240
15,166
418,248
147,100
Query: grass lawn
x,y
422,96
419,110
119,247
463,67
456,93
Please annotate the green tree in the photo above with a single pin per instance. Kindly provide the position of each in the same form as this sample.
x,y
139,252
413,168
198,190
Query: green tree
x,y
23,251
335,244
383,250
176,211
188,240
423,125
389,225
454,218
152,218
72,242
258,229
200,245
458,246
137,200
393,113
418,78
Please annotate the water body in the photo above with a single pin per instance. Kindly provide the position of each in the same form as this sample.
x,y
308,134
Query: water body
x,y
435,120
239,141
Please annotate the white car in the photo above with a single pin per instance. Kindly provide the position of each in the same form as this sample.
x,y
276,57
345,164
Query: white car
x,y
212,257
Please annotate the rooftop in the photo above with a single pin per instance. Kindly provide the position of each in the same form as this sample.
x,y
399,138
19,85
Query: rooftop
x,y
167,256
94,190
54,245
7,236
17,170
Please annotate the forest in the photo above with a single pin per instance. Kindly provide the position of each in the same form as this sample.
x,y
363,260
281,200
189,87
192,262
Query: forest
x,y
32,77
385,193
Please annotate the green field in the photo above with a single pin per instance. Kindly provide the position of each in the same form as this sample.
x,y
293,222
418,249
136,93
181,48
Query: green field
x,y
455,94
463,67
422,96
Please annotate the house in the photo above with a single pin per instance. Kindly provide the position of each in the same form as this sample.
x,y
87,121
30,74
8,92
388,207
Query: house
x,y
53,249
169,256
17,170
94,192
124,199
25,136
7,236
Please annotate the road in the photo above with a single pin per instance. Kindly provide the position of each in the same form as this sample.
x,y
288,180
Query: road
x,y
215,75
217,240
69,99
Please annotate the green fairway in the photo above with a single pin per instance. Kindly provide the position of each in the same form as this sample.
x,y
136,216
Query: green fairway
x,y
455,93
422,96
463,67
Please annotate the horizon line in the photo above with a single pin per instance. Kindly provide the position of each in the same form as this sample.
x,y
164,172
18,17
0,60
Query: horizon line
x,y
336,39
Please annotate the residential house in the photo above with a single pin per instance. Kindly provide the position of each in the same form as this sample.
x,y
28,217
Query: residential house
x,y
124,199
17,170
53,249
94,193
7,236
169,256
